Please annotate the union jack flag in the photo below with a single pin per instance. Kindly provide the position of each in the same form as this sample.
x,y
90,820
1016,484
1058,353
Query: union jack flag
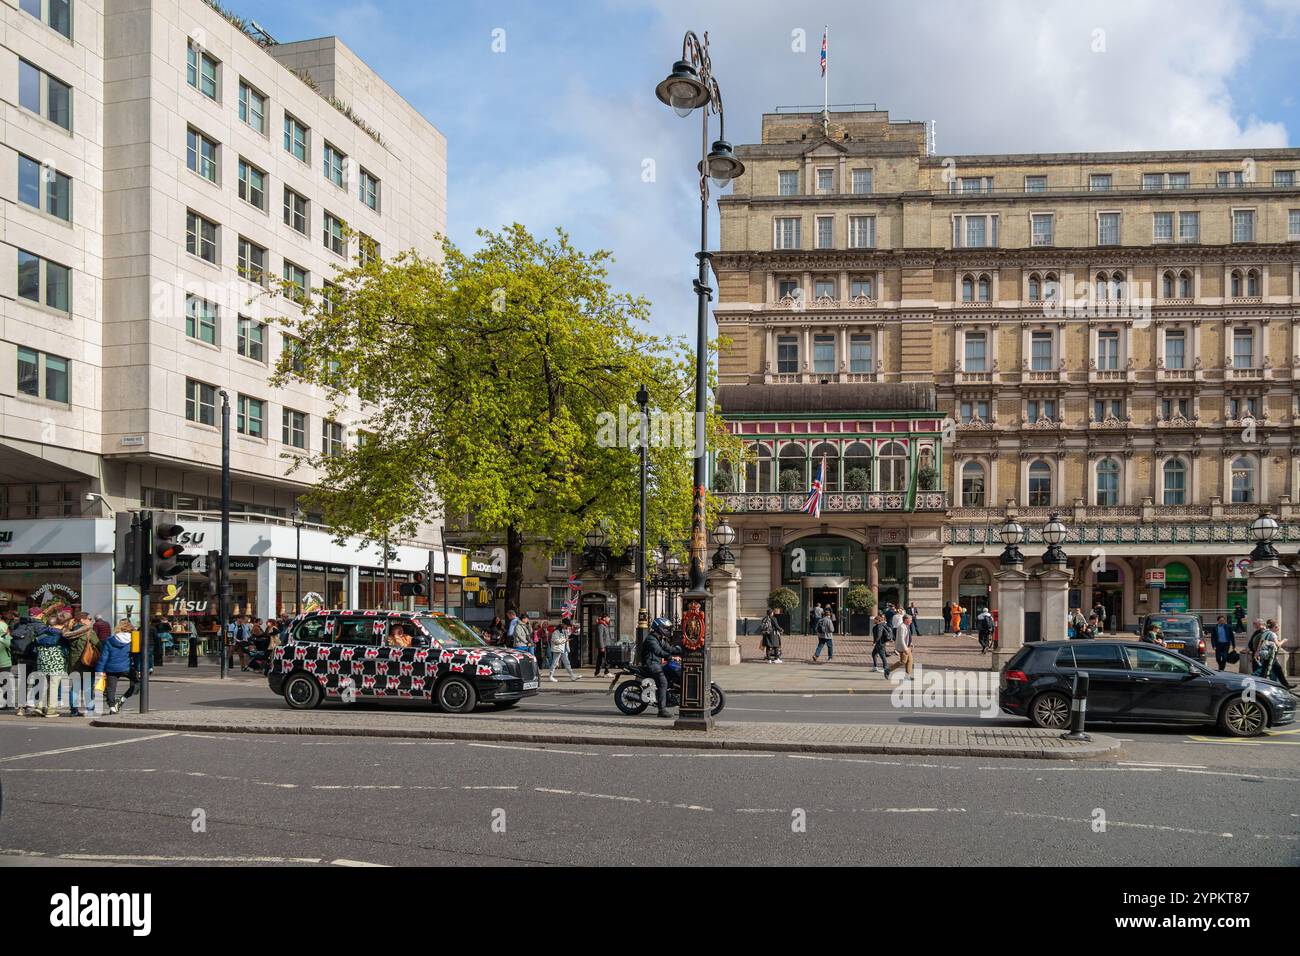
x,y
813,506
824,38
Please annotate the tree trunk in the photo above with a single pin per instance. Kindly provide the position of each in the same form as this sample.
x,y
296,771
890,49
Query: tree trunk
x,y
514,568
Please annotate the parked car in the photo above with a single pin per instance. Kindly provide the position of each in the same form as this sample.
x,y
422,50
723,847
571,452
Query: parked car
x,y
352,654
1181,632
1135,682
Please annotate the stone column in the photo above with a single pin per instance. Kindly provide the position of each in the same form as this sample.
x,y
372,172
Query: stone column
x,y
1054,586
629,606
1265,582
1011,611
723,646
873,572
266,581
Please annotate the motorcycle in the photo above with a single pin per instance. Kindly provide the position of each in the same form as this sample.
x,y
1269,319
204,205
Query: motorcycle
x,y
641,691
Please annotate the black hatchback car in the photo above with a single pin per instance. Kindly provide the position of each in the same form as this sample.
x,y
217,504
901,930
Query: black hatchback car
x,y
1140,683
395,655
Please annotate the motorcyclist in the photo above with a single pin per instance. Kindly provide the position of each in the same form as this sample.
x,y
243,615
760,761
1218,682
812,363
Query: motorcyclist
x,y
658,644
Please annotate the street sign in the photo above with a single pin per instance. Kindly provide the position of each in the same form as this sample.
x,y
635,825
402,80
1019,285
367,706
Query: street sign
x,y
1155,578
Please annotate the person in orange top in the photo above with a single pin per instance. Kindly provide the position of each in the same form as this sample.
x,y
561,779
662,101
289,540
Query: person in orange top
x,y
957,611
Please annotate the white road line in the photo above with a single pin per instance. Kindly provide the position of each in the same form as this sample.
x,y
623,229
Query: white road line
x,y
1119,823
68,750
548,750
1243,775
153,858
621,799
1171,766
354,863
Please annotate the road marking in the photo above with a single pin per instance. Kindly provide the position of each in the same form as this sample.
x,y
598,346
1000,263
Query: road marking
x,y
549,750
621,799
1119,823
155,858
1171,766
1262,741
68,750
1244,776
354,863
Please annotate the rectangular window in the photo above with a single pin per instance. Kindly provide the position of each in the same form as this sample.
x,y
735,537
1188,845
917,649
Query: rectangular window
x,y
56,14
252,184
201,237
44,95
293,428
1179,180
42,375
787,354
862,232
1035,184
1231,178
825,232
1153,180
862,287
786,233
1243,225
1104,408
823,288
1040,409
1175,349
200,402
971,411
331,437
1189,227
335,241
1293,224
862,181
367,249
1243,348
976,359
1041,228
252,339
201,319
1284,178
252,107
295,211
1099,182
251,262
788,182
299,278
293,348
332,164
560,561
860,354
201,71
369,190
1108,229
1162,227
971,184
787,287
1108,350
559,594
1040,352
974,232
44,188
824,354
296,138
201,154
44,282
250,416
825,181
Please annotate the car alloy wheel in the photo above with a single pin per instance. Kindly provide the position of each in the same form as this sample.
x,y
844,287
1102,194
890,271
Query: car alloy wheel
x,y
1051,711
1244,718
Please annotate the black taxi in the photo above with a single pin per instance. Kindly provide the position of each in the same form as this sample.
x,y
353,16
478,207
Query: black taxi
x,y
397,655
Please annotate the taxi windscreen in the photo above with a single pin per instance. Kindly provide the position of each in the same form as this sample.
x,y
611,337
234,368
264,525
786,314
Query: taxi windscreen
x,y
452,632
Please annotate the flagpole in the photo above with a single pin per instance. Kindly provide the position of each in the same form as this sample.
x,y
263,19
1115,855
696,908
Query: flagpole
x,y
826,75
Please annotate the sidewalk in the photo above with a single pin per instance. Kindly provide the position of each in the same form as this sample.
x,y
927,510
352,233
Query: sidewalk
x,y
631,732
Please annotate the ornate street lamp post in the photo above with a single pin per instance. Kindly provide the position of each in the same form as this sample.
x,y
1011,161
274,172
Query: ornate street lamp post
x,y
299,519
643,615
1012,534
1263,529
724,536
690,85
1054,533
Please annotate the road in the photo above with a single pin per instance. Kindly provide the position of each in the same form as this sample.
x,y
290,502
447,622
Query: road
x,y
133,796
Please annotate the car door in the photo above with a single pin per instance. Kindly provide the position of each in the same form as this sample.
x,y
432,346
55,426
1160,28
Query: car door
x,y
1167,685
1108,693
357,652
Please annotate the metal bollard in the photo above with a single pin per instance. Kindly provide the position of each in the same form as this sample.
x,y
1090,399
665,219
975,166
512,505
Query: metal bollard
x,y
1078,708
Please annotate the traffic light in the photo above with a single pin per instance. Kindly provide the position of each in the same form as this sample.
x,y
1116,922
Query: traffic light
x,y
167,552
214,574
127,548
416,587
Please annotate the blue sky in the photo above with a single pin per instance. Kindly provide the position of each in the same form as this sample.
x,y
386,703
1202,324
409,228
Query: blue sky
x,y
558,128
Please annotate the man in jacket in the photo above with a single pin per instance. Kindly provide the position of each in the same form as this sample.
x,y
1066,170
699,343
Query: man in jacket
x,y
825,635
984,628
1223,641
903,643
656,646
770,629
881,634
604,638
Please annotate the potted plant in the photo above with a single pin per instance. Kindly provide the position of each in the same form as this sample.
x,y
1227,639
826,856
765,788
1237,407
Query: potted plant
x,y
722,482
856,479
859,599
925,477
791,481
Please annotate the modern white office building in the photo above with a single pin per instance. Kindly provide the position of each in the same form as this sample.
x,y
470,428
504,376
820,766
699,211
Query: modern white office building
x,y
161,164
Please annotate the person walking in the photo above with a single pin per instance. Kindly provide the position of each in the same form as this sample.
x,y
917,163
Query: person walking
x,y
523,636
604,638
881,634
115,663
6,665
770,631
957,611
947,616
542,643
1252,644
1268,657
51,666
903,643
162,637
1223,641
1239,619
825,636
984,629
83,654
560,648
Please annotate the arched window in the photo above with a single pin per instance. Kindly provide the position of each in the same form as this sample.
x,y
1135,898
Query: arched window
x,y
792,472
724,478
893,467
1117,286
1184,285
1169,285
1236,283
828,451
986,284
1101,287
1040,485
1243,481
972,485
758,473
1107,483
857,467
1035,288
1252,282
1051,286
1175,482
968,288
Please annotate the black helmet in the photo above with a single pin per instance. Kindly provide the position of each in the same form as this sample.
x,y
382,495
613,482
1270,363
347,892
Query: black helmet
x,y
662,627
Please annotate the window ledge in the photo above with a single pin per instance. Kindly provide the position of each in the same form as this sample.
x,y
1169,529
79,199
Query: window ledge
x,y
47,216
43,402
42,307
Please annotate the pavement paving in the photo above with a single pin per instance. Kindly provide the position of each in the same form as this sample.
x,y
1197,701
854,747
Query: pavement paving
x,y
812,738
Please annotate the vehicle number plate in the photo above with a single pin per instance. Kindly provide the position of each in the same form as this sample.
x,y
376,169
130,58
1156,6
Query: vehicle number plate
x,y
530,685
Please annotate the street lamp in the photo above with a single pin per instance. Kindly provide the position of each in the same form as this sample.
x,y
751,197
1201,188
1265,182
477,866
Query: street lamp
x,y
1263,529
299,519
691,85
643,617
595,538
1012,534
1054,533
724,536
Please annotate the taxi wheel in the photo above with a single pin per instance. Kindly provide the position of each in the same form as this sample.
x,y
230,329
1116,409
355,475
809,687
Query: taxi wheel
x,y
302,692
455,695
1243,718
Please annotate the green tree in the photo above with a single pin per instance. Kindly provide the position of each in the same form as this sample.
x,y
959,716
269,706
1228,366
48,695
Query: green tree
x,y
498,385
859,599
783,599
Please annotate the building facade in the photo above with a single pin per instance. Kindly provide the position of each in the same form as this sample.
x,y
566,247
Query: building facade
x,y
1112,337
163,167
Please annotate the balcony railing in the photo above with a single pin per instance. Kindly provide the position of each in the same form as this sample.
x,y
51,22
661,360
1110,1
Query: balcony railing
x,y
1176,532
836,502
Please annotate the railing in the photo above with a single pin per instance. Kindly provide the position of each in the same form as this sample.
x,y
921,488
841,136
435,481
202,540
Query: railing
x,y
1245,374
835,502
1136,533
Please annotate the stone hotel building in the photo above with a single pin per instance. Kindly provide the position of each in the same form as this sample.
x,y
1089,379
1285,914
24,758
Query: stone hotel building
x,y
1112,337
